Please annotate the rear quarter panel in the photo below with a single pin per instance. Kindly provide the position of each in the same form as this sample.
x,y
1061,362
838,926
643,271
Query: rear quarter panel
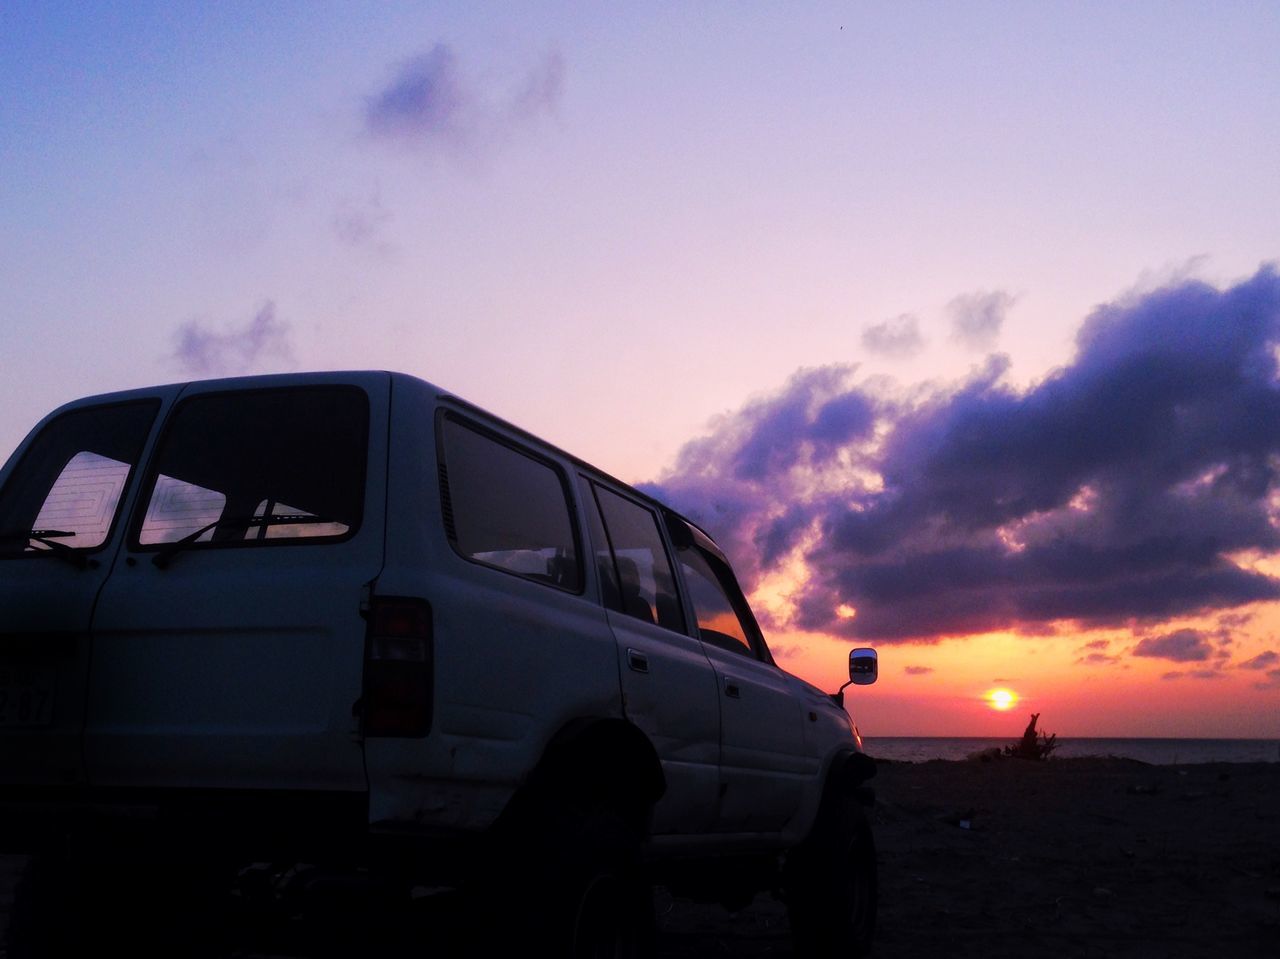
x,y
514,660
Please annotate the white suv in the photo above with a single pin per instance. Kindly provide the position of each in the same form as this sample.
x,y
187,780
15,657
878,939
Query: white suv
x,y
349,619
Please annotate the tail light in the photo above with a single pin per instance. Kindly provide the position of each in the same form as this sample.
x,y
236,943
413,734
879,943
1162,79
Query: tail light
x,y
397,668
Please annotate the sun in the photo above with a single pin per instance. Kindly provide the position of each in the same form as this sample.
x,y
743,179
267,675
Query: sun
x,y
1002,699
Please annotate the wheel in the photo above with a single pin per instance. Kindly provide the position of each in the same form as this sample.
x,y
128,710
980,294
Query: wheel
x,y
568,886
595,903
611,916
830,886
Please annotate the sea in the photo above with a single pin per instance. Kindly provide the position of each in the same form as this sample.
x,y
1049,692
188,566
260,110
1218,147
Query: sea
x,y
1162,752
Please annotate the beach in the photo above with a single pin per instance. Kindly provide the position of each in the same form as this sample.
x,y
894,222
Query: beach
x,y
1014,858
1065,857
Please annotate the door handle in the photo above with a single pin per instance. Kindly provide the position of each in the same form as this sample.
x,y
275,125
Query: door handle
x,y
731,689
637,660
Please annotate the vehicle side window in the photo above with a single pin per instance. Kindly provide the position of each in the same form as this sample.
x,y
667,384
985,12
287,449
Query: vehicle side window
x,y
506,507
724,619
646,586
605,570
66,490
241,467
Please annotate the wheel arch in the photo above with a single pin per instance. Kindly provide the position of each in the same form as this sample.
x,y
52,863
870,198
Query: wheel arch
x,y
848,772
592,763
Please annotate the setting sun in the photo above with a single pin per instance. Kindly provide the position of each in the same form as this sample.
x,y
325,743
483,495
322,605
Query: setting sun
x,y
1002,698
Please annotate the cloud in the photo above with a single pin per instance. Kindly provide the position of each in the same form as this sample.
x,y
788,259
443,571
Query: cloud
x,y
1183,646
425,101
201,351
430,104
1271,682
1235,620
918,670
1193,674
977,318
733,477
898,338
1114,492
1095,654
359,223
542,91
1262,660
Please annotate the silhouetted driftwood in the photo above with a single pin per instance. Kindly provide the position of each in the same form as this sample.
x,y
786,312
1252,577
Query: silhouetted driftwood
x,y
1031,745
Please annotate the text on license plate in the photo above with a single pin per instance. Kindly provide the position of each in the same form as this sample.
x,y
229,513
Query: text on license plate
x,y
26,695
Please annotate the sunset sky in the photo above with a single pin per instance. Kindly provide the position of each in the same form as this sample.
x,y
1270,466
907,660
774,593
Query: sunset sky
x,y
956,324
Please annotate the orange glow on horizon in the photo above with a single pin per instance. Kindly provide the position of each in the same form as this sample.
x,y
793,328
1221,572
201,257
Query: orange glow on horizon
x,y
1084,682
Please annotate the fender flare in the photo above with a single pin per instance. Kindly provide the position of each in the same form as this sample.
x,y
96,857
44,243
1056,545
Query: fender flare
x,y
593,763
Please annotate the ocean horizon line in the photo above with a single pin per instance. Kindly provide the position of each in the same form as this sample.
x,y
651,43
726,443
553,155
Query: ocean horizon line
x,y
1157,750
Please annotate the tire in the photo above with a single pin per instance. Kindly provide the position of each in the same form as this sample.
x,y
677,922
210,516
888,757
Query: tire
x,y
611,917
830,886
571,887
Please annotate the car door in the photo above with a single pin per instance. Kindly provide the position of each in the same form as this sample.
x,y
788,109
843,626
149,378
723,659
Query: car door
x,y
60,500
229,638
668,686
764,764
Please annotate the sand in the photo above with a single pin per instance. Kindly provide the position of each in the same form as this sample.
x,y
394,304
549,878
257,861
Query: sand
x,y
1069,857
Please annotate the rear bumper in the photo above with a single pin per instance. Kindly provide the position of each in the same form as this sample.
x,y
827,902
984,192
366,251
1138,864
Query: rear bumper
x,y
220,823
229,826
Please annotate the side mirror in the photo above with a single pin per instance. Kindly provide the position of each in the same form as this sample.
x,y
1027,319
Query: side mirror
x,y
863,667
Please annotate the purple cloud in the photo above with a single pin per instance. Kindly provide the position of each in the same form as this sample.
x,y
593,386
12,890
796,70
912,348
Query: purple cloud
x,y
1193,674
1113,492
1098,659
201,351
1183,646
430,104
359,223
918,670
898,337
977,318
1262,660
425,102
542,91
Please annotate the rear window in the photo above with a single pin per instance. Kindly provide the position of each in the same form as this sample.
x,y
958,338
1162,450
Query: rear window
x,y
66,491
507,508
250,467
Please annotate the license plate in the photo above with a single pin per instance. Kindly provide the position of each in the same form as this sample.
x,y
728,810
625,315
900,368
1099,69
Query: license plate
x,y
26,696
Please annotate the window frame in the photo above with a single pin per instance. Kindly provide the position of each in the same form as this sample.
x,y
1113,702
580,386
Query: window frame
x,y
445,414
593,488
689,537
150,477
130,479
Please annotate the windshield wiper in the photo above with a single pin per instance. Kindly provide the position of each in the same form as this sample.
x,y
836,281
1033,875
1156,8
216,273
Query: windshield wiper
x,y
163,558
48,538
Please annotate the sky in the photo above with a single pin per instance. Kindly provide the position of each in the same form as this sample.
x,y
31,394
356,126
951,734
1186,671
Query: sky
x,y
956,325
